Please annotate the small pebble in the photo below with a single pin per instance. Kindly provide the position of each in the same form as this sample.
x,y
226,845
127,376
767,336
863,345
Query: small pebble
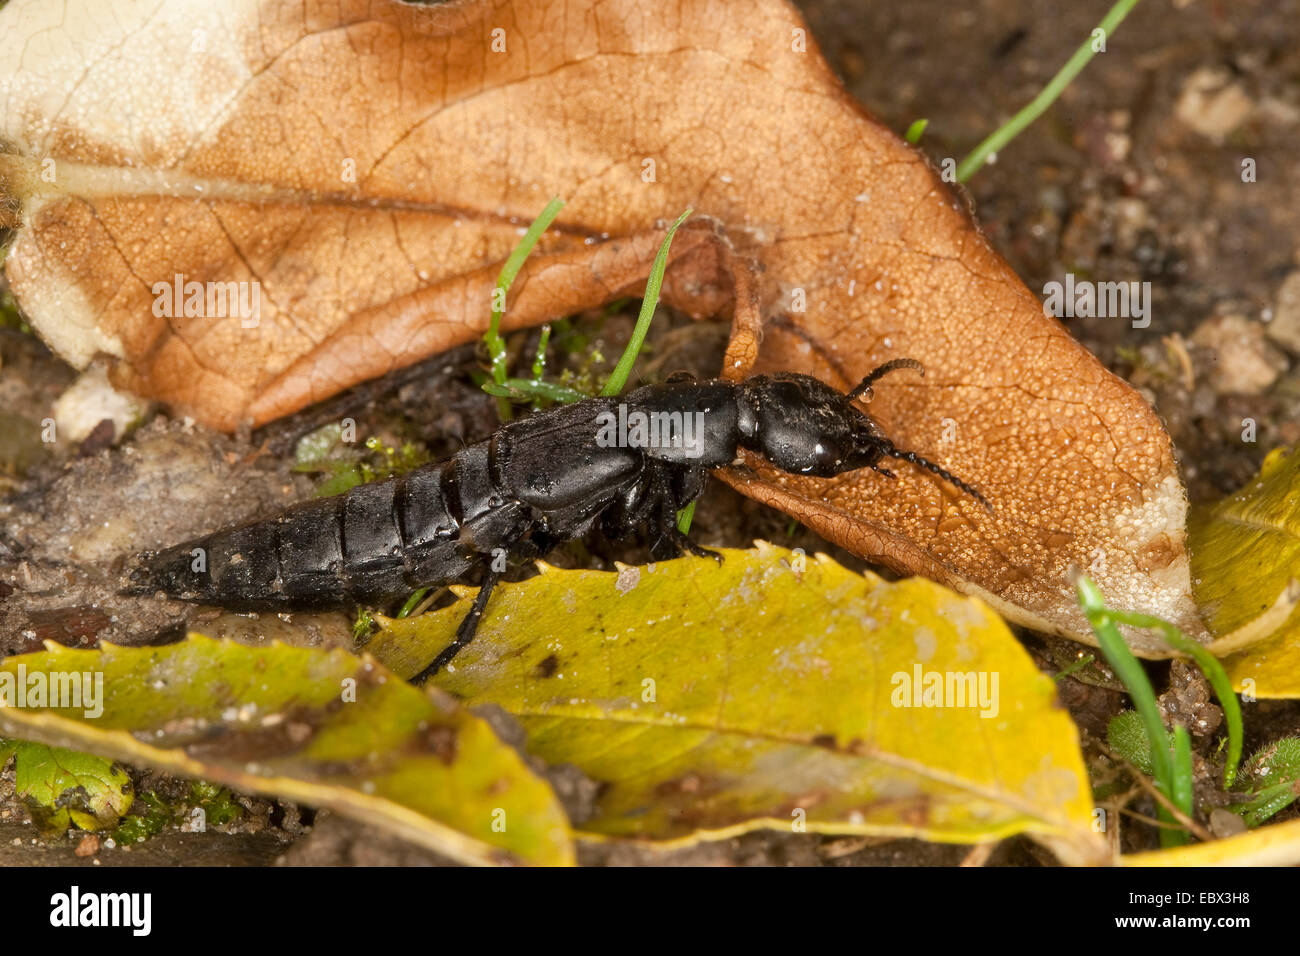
x,y
1245,362
88,846
1212,103
1284,328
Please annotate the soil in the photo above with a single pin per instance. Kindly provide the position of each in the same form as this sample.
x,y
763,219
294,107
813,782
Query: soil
x,y
1135,174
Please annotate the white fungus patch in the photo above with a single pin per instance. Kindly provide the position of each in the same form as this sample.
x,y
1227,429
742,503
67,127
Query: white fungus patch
x,y
628,578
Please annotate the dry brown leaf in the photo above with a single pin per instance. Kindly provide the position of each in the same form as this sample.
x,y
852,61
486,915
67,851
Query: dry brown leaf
x,y
370,165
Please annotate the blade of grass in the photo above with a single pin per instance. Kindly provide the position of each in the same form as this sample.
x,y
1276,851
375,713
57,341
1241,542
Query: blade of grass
x,y
1004,134
685,517
504,387
1074,667
1214,673
618,378
523,389
539,361
411,602
915,131
1134,678
514,262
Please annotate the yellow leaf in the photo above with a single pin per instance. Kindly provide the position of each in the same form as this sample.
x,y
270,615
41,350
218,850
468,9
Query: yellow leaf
x,y
771,691
322,728
1245,555
1277,845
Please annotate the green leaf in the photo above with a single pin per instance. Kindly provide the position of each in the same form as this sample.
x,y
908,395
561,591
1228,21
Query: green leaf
x,y
1127,736
771,691
63,788
323,728
1009,130
150,816
1277,763
1245,554
509,270
1274,777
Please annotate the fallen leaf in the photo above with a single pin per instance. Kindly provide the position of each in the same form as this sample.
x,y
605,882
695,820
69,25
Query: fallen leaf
x,y
321,728
64,788
1277,845
1245,554
365,166
772,691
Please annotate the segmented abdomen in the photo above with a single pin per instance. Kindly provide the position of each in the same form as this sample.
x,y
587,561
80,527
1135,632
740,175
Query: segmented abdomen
x,y
374,542
385,539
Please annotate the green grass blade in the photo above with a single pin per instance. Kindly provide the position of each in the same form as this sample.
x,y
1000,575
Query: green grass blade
x,y
618,378
514,262
412,602
1004,134
684,518
1214,673
522,389
539,361
1134,678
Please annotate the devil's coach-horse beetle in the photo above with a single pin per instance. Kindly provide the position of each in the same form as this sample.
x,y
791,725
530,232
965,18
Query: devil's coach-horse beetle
x,y
627,461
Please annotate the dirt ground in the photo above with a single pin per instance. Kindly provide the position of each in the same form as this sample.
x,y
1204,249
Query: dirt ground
x,y
1135,174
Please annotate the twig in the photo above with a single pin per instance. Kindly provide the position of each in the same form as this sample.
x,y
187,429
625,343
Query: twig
x,y
1142,781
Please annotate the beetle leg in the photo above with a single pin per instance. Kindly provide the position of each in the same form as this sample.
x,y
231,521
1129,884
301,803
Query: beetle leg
x,y
623,516
656,500
683,541
667,528
468,627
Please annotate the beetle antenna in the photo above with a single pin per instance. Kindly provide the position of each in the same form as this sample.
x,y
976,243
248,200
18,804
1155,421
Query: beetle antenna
x,y
880,371
943,473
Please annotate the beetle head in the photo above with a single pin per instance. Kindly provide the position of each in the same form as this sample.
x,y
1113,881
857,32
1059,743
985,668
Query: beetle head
x,y
805,427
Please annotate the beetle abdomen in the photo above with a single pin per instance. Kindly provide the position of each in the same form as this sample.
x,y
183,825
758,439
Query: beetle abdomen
x,y
374,542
